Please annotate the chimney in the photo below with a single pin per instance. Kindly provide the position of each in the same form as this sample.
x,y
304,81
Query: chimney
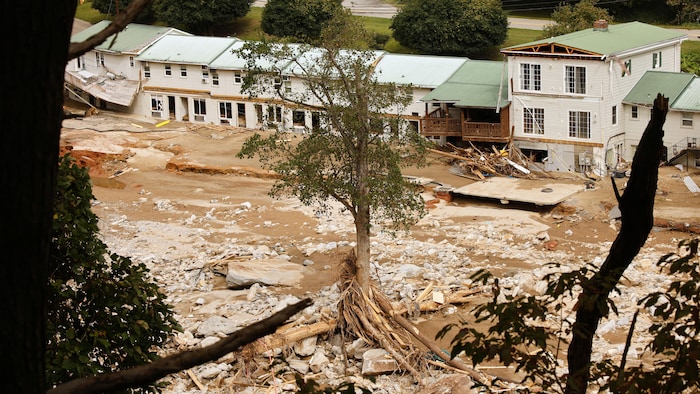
x,y
600,25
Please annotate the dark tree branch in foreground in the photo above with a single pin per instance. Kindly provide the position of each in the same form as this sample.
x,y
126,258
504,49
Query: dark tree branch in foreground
x,y
637,208
148,373
118,24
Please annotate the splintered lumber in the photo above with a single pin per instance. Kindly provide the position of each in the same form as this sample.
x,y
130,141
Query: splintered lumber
x,y
288,336
460,297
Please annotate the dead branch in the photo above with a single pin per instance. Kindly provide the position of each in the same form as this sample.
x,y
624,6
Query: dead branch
x,y
637,208
148,373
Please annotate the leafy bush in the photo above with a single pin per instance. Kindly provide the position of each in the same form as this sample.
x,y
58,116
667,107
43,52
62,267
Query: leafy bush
x,y
104,312
450,27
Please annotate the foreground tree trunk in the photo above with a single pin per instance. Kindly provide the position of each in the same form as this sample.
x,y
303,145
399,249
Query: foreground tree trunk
x,y
31,114
637,208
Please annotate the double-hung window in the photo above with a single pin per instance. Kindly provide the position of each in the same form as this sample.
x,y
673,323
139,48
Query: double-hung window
x,y
580,124
530,77
533,121
687,119
200,109
575,79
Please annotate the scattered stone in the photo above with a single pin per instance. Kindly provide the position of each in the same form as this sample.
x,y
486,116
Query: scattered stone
x,y
318,361
216,325
306,347
271,272
377,362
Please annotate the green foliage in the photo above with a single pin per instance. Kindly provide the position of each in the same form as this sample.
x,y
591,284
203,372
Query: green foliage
x,y
519,327
355,153
302,20
86,12
109,7
675,349
570,18
104,312
690,62
517,331
450,27
687,11
200,17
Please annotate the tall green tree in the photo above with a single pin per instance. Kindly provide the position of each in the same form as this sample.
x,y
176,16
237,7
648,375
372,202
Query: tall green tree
x,y
302,20
104,311
200,17
355,154
570,18
450,27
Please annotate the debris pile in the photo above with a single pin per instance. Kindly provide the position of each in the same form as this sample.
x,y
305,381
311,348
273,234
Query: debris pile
x,y
477,164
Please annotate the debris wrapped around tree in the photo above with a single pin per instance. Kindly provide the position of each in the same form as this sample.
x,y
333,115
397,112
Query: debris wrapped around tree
x,y
478,163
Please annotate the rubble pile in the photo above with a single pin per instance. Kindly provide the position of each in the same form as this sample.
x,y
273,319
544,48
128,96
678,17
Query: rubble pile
x,y
477,164
191,267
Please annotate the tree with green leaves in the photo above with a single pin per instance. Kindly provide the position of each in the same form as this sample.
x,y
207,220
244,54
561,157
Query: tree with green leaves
x,y
570,18
301,20
687,11
450,27
104,311
200,17
356,153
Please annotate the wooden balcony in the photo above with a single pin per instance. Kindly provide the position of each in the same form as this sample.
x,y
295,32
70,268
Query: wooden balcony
x,y
468,131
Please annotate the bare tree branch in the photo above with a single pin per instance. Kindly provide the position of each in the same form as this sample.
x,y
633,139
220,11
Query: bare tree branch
x,y
637,208
148,373
118,24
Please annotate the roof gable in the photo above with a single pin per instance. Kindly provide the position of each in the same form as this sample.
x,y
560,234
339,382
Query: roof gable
x,y
417,70
133,39
596,42
669,84
187,49
475,84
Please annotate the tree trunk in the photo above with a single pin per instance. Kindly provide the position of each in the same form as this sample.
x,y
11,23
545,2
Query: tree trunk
x,y
31,114
362,250
637,208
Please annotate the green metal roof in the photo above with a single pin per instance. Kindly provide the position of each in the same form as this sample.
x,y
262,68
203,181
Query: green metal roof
x,y
670,84
604,42
133,39
187,49
417,70
689,99
475,84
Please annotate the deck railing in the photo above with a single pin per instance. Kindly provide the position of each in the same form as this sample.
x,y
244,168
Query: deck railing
x,y
452,127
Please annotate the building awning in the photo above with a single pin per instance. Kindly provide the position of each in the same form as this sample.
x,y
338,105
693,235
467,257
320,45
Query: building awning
x,y
113,89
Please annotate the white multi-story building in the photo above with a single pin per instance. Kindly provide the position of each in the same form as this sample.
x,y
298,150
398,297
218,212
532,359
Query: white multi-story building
x,y
567,91
574,102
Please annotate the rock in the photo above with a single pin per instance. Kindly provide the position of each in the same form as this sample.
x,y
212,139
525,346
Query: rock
x,y
306,347
318,361
215,325
357,348
409,271
271,272
300,366
209,372
450,384
377,362
615,213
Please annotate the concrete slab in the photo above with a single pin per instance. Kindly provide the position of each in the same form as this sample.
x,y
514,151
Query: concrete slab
x,y
521,190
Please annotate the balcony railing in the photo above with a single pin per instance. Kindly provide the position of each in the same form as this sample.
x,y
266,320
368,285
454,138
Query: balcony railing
x,y
442,126
452,127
